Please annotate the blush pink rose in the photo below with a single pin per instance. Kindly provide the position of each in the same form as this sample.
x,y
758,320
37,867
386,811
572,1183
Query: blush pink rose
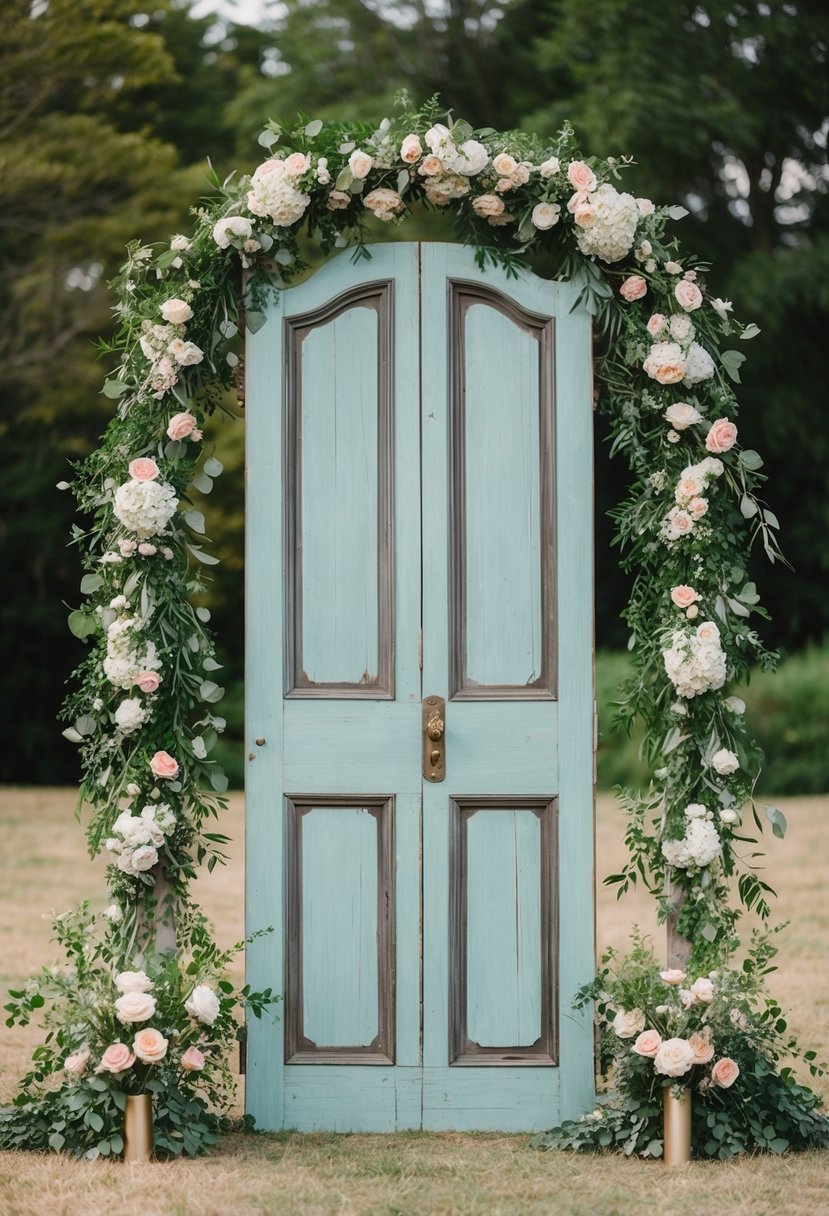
x,y
192,1060
633,288
688,295
702,1049
297,163
697,507
411,151
431,166
150,1045
656,324
180,426
648,1043
722,436
116,1058
163,765
674,977
147,681
703,989
487,205
77,1062
683,596
143,469
581,176
724,1073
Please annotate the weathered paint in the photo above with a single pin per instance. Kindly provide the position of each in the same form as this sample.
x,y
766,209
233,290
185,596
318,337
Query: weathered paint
x,y
526,508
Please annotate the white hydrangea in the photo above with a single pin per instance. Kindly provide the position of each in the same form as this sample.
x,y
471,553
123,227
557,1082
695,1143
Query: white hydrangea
x,y
609,234
682,328
273,193
125,656
467,160
130,714
136,839
699,847
145,507
698,364
695,662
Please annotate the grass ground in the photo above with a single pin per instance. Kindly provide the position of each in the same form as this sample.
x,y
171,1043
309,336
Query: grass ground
x,y
43,867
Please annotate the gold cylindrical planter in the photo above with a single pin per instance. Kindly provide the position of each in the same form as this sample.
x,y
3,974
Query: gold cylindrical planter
x,y
677,1126
138,1127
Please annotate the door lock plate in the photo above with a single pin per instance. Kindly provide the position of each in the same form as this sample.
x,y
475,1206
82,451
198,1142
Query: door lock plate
x,y
434,738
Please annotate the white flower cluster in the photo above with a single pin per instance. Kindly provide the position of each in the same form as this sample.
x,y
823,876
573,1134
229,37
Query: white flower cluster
x,y
605,223
136,839
274,192
679,361
130,714
699,846
145,507
695,661
125,657
467,160
691,505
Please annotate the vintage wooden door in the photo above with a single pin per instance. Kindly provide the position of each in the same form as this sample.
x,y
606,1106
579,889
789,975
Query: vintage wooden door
x,y
420,528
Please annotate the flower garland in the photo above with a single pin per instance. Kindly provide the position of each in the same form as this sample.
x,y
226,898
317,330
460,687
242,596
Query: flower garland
x,y
144,710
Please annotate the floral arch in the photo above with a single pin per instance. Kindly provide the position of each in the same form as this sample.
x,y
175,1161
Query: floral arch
x,y
144,710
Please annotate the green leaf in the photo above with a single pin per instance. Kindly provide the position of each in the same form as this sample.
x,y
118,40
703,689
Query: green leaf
x,y
203,614
777,820
731,361
750,331
403,180
283,257
72,735
228,329
254,320
115,388
267,139
676,212
194,520
344,179
202,483
94,1120
313,129
751,460
207,559
218,780
56,1141
91,583
85,725
211,665
82,625
748,507
213,467
211,692
770,519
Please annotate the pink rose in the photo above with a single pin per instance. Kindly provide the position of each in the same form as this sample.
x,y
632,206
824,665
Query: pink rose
x,y
143,469
722,436
688,295
724,1073
297,163
180,426
76,1064
581,176
116,1058
150,1045
147,681
633,288
697,507
683,596
703,989
163,765
656,324
431,166
192,1060
487,205
338,200
146,549
411,150
648,1043
674,977
702,1049
584,214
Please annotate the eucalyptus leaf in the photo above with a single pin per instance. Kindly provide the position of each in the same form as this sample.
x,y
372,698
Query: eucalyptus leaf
x,y
202,483
231,359
731,361
737,608
213,467
211,692
777,820
211,665
267,139
115,389
81,624
198,746
751,460
228,329
403,180
194,520
218,780
770,519
207,559
283,257
748,507
347,147
344,179
254,320
676,212
85,725
750,331
72,735
91,583
174,449
203,614
313,129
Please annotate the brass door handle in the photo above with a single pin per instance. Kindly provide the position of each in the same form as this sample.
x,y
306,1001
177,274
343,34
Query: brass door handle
x,y
434,739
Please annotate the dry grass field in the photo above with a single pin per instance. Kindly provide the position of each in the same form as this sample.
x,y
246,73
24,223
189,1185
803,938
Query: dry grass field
x,y
43,866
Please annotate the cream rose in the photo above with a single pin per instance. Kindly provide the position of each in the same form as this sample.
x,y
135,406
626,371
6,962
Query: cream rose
x,y
656,324
724,1073
550,167
133,981
674,1058
76,1063
697,507
150,1046
163,765
176,311
648,1043
338,200
192,1060
683,595
673,977
203,1004
297,163
360,164
703,990
431,166
116,1058
628,1022
487,205
665,363
722,436
633,288
181,426
383,203
581,176
411,149
702,1049
645,207
681,415
231,228
148,681
724,762
143,469
545,215
504,164
135,1007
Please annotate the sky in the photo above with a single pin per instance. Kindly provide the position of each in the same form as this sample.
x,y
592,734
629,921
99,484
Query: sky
x,y
248,12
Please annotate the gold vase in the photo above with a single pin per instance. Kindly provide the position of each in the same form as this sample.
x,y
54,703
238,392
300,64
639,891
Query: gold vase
x,y
138,1127
677,1126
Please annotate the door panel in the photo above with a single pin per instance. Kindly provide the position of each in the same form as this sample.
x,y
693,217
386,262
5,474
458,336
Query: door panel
x,y
419,459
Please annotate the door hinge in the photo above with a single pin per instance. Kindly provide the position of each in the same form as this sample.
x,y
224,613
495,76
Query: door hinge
x,y
420,649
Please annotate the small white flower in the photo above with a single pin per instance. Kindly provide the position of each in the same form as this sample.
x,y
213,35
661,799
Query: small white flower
x,y
203,1004
550,167
735,704
724,762
721,307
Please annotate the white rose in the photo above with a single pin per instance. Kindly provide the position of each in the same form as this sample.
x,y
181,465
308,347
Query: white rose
x,y
360,163
135,1007
703,990
129,715
681,415
233,228
176,311
469,159
724,762
729,816
134,830
179,244
144,858
203,1004
550,167
645,207
695,810
76,1063
504,164
133,981
545,215
674,1058
628,1023
113,913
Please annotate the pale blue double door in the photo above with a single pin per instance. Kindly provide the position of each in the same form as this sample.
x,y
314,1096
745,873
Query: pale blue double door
x,y
420,525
